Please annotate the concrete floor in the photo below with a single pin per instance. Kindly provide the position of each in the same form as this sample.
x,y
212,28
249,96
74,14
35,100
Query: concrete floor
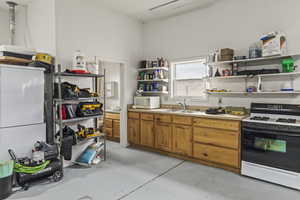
x,y
137,175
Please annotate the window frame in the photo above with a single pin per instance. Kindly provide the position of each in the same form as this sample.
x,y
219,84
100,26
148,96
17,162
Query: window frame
x,y
173,78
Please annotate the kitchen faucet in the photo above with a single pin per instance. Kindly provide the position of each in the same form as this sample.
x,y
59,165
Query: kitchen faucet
x,y
183,104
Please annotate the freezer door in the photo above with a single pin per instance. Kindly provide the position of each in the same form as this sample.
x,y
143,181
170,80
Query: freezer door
x,y
21,96
21,139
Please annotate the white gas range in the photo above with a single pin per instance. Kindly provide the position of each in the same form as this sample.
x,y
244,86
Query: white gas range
x,y
271,144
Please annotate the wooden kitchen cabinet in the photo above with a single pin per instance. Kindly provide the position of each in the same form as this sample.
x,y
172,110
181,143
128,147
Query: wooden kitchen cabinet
x,y
182,140
163,118
214,154
109,132
217,137
209,141
147,133
163,136
217,124
116,129
182,120
133,128
112,126
217,141
108,124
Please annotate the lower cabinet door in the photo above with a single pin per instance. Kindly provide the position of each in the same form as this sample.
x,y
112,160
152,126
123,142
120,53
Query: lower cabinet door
x,y
163,136
182,140
108,132
134,131
147,133
216,154
116,129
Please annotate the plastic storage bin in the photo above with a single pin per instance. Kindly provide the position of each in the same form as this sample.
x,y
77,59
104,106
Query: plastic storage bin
x,y
6,171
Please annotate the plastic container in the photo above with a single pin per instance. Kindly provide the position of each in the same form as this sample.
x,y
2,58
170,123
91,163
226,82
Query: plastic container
x,y
5,187
6,171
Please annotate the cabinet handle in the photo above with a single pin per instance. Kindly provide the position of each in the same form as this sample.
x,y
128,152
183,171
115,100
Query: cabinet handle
x,y
205,154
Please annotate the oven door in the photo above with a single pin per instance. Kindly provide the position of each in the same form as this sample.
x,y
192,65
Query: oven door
x,y
271,148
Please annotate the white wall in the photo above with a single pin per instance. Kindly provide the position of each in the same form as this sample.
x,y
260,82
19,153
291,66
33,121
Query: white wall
x,y
113,74
99,31
224,23
36,26
4,24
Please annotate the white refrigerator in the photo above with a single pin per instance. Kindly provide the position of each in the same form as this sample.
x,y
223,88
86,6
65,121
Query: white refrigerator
x,y
21,109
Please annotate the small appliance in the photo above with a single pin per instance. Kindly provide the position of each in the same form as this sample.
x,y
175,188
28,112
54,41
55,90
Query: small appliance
x,y
146,102
271,144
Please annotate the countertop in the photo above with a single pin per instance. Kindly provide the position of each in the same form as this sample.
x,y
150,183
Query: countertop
x,y
113,111
192,114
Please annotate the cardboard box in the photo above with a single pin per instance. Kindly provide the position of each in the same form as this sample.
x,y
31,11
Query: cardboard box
x,y
226,57
226,51
273,44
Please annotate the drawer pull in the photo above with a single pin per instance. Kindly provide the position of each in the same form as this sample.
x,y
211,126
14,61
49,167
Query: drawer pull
x,y
205,154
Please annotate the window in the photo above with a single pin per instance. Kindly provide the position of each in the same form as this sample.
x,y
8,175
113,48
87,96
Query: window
x,y
187,78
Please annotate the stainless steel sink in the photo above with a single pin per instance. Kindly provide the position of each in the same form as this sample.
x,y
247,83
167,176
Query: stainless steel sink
x,y
180,111
184,111
188,111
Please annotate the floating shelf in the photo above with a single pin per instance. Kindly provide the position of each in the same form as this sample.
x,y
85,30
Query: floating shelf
x,y
254,60
153,68
155,92
256,76
254,93
80,119
78,100
79,75
155,80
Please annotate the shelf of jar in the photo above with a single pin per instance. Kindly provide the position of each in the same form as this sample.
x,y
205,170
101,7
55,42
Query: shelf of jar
x,y
154,80
153,69
256,60
155,92
255,76
256,93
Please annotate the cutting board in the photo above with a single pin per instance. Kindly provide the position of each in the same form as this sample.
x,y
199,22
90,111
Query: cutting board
x,y
13,60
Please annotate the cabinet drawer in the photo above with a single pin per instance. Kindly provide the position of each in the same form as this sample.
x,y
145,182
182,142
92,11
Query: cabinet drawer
x,y
133,115
163,118
147,116
217,137
182,120
108,132
217,123
108,123
112,116
216,154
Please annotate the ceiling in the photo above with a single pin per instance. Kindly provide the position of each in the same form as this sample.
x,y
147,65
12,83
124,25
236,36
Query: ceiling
x,y
144,10
140,9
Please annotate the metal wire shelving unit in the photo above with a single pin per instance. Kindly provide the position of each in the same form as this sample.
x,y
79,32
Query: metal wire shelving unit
x,y
58,102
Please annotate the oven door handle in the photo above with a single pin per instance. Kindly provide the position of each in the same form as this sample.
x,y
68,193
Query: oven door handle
x,y
271,132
